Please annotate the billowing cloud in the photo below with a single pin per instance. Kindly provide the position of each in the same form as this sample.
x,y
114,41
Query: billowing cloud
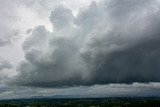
x,y
6,71
109,42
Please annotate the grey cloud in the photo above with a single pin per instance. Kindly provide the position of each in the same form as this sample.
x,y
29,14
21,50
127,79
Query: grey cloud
x,y
5,65
139,63
110,90
37,39
5,71
58,57
125,90
4,42
61,17
41,7
90,17
121,9
28,31
110,42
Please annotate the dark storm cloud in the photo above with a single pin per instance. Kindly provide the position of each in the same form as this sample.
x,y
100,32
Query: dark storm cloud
x,y
110,42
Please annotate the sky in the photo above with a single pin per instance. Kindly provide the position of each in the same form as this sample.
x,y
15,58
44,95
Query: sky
x,y
83,48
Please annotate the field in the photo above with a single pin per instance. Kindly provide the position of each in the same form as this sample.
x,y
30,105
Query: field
x,y
82,102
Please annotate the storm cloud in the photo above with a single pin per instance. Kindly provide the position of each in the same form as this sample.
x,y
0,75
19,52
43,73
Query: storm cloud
x,y
109,42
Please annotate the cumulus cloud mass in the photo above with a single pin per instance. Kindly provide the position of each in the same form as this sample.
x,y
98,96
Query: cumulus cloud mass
x,y
112,41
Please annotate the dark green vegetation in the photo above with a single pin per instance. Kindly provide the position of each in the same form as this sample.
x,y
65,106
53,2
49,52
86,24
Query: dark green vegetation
x,y
82,102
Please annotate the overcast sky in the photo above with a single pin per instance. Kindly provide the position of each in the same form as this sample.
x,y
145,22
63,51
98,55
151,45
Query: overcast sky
x,y
90,48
